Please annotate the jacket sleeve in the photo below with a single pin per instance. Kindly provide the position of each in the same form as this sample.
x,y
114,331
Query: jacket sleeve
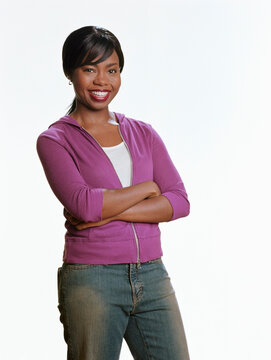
x,y
83,202
168,179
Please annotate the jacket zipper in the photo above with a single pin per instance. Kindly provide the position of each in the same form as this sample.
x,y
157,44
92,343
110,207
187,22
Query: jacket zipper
x,y
138,264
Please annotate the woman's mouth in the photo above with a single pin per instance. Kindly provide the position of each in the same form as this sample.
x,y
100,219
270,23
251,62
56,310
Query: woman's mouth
x,y
99,95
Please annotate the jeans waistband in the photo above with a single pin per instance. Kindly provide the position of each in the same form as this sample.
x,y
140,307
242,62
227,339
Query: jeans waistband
x,y
146,262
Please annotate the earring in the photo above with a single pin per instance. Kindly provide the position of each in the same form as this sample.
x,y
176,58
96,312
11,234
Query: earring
x,y
70,82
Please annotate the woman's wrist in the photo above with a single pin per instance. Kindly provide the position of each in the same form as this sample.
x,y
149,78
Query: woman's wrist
x,y
116,217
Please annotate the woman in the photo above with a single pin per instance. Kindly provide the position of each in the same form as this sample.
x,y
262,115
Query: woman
x,y
116,181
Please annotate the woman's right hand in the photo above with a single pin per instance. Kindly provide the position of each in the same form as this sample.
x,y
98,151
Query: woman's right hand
x,y
154,188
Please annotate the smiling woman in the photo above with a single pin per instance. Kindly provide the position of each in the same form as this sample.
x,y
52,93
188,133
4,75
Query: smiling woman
x,y
116,182
95,84
99,45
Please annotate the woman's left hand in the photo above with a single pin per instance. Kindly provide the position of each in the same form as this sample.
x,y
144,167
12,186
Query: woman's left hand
x,y
70,218
80,225
84,225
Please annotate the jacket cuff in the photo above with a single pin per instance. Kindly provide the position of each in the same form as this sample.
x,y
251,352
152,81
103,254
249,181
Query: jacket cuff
x,y
180,205
92,212
98,196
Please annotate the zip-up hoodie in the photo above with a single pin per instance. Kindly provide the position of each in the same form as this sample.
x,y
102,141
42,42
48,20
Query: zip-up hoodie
x,y
77,169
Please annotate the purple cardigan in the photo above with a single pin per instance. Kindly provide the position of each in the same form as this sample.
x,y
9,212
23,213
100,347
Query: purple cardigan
x,y
77,169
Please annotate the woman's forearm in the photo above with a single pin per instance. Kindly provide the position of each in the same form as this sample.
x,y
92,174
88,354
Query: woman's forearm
x,y
154,210
116,201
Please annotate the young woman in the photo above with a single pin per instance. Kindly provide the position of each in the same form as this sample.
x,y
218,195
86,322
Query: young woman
x,y
116,181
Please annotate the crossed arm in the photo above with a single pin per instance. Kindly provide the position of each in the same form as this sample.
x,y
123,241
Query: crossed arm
x,y
162,199
153,208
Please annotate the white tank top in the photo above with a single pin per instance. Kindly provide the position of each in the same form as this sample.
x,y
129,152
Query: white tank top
x,y
121,161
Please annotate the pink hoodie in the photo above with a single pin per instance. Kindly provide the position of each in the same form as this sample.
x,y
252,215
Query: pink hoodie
x,y
77,169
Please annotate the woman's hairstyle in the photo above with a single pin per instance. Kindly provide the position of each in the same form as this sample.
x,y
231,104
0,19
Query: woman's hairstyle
x,y
85,44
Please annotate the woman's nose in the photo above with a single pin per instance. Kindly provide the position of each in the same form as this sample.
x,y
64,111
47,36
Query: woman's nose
x,y
100,78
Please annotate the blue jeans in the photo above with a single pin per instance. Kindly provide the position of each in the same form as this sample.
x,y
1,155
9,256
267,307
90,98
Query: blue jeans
x,y
102,304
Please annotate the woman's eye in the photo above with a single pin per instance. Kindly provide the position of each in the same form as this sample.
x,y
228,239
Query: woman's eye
x,y
111,71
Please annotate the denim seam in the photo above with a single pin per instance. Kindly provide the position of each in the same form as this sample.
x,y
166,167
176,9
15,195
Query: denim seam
x,y
143,339
133,291
66,318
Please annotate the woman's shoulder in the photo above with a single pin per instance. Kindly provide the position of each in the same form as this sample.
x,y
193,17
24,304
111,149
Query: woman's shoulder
x,y
59,129
134,123
64,127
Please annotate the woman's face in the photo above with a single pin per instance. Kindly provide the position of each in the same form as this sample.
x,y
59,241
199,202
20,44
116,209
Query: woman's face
x,y
95,86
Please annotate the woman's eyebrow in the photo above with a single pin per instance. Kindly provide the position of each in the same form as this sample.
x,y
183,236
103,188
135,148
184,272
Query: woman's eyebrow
x,y
108,65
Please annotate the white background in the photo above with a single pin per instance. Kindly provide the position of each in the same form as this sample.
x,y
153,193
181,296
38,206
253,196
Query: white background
x,y
199,72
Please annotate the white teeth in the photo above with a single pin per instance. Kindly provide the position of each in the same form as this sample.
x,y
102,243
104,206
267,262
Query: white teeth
x,y
100,93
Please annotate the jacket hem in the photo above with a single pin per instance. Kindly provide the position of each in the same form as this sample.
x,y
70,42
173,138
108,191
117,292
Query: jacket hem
x,y
111,252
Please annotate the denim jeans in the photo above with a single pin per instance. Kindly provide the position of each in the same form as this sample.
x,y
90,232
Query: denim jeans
x,y
102,304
